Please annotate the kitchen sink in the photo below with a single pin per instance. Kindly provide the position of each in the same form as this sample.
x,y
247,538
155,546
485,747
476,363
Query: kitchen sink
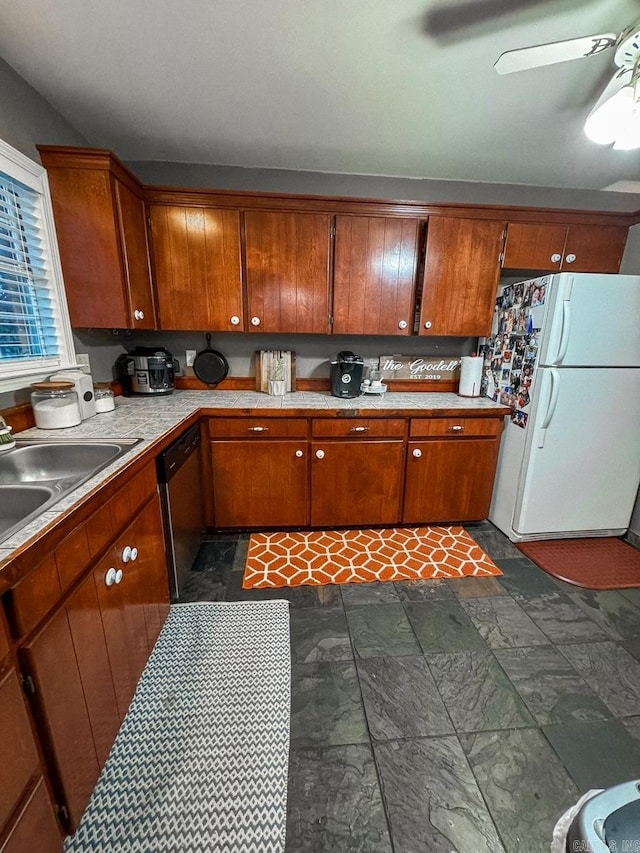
x,y
39,472
20,502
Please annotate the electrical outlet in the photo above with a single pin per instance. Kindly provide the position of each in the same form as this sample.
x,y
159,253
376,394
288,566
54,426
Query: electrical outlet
x,y
82,360
190,356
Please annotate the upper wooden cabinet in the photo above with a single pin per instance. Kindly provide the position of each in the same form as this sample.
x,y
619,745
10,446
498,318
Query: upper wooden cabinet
x,y
462,270
562,248
374,283
197,267
288,262
99,212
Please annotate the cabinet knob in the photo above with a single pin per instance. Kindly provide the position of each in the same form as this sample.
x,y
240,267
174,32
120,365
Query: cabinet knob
x,y
417,453
428,324
258,429
255,321
359,429
456,428
299,454
570,258
555,258
235,320
119,576
138,315
110,577
134,554
126,554
402,324
320,454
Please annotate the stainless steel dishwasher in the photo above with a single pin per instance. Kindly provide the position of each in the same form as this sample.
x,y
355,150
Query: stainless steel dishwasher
x,y
180,478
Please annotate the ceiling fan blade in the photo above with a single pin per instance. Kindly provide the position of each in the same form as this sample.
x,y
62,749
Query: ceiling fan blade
x,y
557,51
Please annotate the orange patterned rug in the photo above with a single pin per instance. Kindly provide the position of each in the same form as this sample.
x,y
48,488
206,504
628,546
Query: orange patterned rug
x,y
361,556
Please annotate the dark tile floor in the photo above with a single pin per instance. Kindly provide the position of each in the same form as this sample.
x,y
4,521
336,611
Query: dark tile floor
x,y
458,715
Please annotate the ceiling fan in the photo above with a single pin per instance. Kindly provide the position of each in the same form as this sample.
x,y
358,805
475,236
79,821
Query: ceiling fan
x,y
616,115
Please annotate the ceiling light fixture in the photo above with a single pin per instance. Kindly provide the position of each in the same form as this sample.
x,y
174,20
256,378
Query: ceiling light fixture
x,y
615,119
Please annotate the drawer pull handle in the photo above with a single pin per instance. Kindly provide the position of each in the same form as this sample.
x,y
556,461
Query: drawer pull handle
x,y
417,453
258,429
359,429
456,428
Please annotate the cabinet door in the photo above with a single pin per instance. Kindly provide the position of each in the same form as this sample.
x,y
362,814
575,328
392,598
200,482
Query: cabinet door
x,y
356,482
85,622
85,215
19,760
596,248
260,483
462,269
153,583
135,250
35,829
288,271
449,480
374,275
59,699
123,620
531,246
196,254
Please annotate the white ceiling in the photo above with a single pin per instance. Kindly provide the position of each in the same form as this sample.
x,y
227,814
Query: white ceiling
x,y
352,86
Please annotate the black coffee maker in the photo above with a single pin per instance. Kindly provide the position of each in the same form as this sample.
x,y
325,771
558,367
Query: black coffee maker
x,y
346,375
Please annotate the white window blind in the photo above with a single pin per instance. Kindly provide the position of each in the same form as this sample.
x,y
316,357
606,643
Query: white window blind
x,y
35,337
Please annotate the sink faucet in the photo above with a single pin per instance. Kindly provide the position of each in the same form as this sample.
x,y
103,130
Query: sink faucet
x,y
7,441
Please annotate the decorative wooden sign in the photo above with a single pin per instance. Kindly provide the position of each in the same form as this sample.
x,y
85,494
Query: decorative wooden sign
x,y
275,364
428,367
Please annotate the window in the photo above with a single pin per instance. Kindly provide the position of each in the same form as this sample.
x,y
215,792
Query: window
x,y
35,334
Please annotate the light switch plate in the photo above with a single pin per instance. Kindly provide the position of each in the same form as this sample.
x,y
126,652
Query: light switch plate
x,y
190,356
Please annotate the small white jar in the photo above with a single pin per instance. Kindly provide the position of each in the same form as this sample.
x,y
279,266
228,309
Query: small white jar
x,y
55,405
104,399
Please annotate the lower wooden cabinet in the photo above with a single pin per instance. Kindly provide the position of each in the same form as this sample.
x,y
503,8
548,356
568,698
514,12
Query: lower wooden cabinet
x,y
352,472
260,483
449,479
84,662
356,482
35,829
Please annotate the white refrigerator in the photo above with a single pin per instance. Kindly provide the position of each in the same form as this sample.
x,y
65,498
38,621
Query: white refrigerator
x,y
565,356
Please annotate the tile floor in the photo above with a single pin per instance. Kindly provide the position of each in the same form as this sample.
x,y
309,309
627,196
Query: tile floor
x,y
460,715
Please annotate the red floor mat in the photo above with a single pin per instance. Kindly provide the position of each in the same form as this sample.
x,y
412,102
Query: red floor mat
x,y
606,563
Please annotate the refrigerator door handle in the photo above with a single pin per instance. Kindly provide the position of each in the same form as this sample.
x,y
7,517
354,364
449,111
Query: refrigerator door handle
x,y
566,332
554,377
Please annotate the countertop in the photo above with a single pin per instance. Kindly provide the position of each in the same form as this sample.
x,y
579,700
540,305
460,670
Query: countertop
x,y
153,418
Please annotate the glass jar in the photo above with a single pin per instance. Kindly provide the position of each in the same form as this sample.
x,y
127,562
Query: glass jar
x,y
103,394
55,405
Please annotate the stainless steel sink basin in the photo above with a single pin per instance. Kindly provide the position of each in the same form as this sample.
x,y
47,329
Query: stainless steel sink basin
x,y
38,472
20,502
38,463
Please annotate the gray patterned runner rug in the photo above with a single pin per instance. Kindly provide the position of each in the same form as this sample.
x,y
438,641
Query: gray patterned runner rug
x,y
200,763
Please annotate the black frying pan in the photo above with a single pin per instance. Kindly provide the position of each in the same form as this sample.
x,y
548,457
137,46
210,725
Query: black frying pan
x,y
209,365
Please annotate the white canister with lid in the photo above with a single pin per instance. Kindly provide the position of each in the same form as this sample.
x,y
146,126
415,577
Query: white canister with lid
x,y
55,405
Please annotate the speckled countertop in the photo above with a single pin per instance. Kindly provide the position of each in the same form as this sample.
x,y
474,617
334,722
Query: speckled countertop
x,y
152,418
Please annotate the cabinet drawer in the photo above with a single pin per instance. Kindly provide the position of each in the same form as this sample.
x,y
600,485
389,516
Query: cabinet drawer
x,y
257,428
19,760
357,427
452,427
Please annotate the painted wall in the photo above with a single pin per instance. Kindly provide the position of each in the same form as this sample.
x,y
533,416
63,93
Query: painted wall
x,y
26,120
366,186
